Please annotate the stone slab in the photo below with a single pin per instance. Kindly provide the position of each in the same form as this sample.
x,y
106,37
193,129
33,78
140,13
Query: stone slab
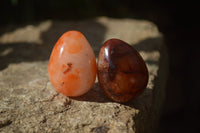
x,y
29,103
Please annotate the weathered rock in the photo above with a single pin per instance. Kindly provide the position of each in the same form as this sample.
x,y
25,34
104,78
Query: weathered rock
x,y
29,103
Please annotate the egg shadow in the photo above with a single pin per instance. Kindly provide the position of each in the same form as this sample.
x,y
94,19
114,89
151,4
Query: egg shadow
x,y
95,94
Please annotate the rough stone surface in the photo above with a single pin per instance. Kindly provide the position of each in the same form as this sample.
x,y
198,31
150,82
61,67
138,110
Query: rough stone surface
x,y
29,103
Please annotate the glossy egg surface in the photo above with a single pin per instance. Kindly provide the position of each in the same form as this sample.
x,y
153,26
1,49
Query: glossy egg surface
x,y
122,73
72,64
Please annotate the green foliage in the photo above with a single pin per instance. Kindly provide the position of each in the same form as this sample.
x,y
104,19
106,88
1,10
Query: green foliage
x,y
14,2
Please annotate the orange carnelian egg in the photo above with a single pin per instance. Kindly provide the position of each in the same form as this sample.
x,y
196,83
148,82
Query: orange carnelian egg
x,y
72,65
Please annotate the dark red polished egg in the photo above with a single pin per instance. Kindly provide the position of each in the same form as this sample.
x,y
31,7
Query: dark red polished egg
x,y
122,73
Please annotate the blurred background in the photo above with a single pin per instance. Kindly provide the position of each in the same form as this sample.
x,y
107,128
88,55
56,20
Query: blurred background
x,y
177,20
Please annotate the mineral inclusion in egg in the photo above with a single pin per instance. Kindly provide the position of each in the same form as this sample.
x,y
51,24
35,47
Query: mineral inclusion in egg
x,y
122,72
72,65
